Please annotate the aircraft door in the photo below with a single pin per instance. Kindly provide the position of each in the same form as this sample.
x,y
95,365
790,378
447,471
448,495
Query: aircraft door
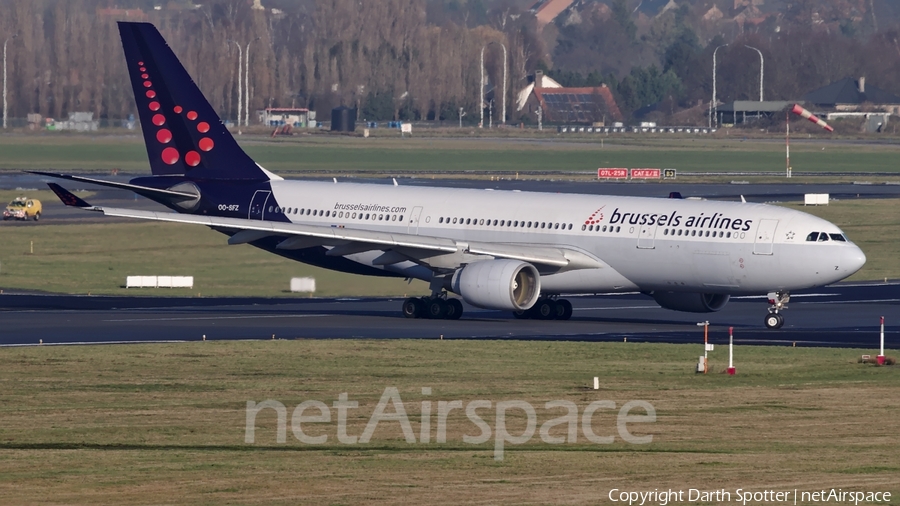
x,y
646,236
765,237
413,223
258,204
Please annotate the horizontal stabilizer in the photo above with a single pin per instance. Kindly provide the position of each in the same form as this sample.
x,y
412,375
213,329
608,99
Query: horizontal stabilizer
x,y
141,190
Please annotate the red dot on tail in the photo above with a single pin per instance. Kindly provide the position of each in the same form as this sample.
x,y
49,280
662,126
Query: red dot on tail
x,y
159,119
164,136
205,144
191,115
145,76
170,156
192,158
154,106
151,94
147,84
140,63
203,127
143,69
178,109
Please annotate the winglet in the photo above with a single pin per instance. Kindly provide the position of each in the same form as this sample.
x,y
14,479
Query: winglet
x,y
68,198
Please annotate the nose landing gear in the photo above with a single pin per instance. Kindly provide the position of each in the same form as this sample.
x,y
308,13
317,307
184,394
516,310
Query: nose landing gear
x,y
777,302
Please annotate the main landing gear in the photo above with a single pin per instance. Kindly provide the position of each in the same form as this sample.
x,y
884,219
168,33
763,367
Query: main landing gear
x,y
777,302
547,308
437,307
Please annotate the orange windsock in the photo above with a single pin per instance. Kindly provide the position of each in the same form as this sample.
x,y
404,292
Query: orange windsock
x,y
810,116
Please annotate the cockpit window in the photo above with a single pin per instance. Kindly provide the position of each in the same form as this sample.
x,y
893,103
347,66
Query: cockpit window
x,y
838,237
812,236
823,237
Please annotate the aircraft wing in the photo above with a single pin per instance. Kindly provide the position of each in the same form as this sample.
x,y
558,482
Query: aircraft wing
x,y
436,252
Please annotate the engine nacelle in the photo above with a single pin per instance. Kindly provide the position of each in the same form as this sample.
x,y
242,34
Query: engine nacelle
x,y
498,284
691,302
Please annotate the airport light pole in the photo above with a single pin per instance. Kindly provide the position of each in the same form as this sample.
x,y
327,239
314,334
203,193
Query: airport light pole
x,y
4,77
491,114
760,71
240,76
714,106
461,114
247,85
503,120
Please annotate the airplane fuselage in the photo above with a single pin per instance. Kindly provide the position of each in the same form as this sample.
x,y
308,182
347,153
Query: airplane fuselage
x,y
642,244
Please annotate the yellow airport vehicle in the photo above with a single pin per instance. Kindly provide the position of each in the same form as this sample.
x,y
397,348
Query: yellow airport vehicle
x,y
22,208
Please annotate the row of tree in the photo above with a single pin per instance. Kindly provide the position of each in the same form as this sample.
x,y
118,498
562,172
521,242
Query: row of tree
x,y
417,59
65,55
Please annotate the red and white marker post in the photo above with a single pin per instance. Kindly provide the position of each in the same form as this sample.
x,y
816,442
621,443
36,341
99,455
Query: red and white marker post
x,y
705,347
731,370
880,358
703,365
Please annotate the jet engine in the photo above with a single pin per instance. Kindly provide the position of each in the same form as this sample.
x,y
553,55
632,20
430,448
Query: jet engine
x,y
691,302
498,284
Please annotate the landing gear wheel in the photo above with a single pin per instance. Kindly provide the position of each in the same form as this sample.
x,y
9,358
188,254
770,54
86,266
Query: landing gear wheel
x,y
563,309
454,309
436,309
522,314
774,321
412,307
544,310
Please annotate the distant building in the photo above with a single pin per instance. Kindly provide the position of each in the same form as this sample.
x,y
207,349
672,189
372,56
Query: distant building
x,y
78,121
539,80
546,10
122,14
854,95
745,111
560,105
281,116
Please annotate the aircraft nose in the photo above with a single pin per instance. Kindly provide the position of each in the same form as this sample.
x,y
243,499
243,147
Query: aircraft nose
x,y
854,259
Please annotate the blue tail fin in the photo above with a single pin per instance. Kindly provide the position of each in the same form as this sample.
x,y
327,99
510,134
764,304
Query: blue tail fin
x,y
183,133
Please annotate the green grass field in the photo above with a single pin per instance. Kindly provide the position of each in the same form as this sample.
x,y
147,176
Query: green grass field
x,y
141,424
95,258
165,423
327,154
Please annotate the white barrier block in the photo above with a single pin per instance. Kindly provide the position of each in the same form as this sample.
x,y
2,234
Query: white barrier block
x,y
159,282
303,284
815,199
183,282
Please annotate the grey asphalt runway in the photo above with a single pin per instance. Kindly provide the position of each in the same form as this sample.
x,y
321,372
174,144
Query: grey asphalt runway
x,y
843,315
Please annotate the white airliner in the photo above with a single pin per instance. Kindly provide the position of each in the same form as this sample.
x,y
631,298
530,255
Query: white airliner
x,y
516,251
